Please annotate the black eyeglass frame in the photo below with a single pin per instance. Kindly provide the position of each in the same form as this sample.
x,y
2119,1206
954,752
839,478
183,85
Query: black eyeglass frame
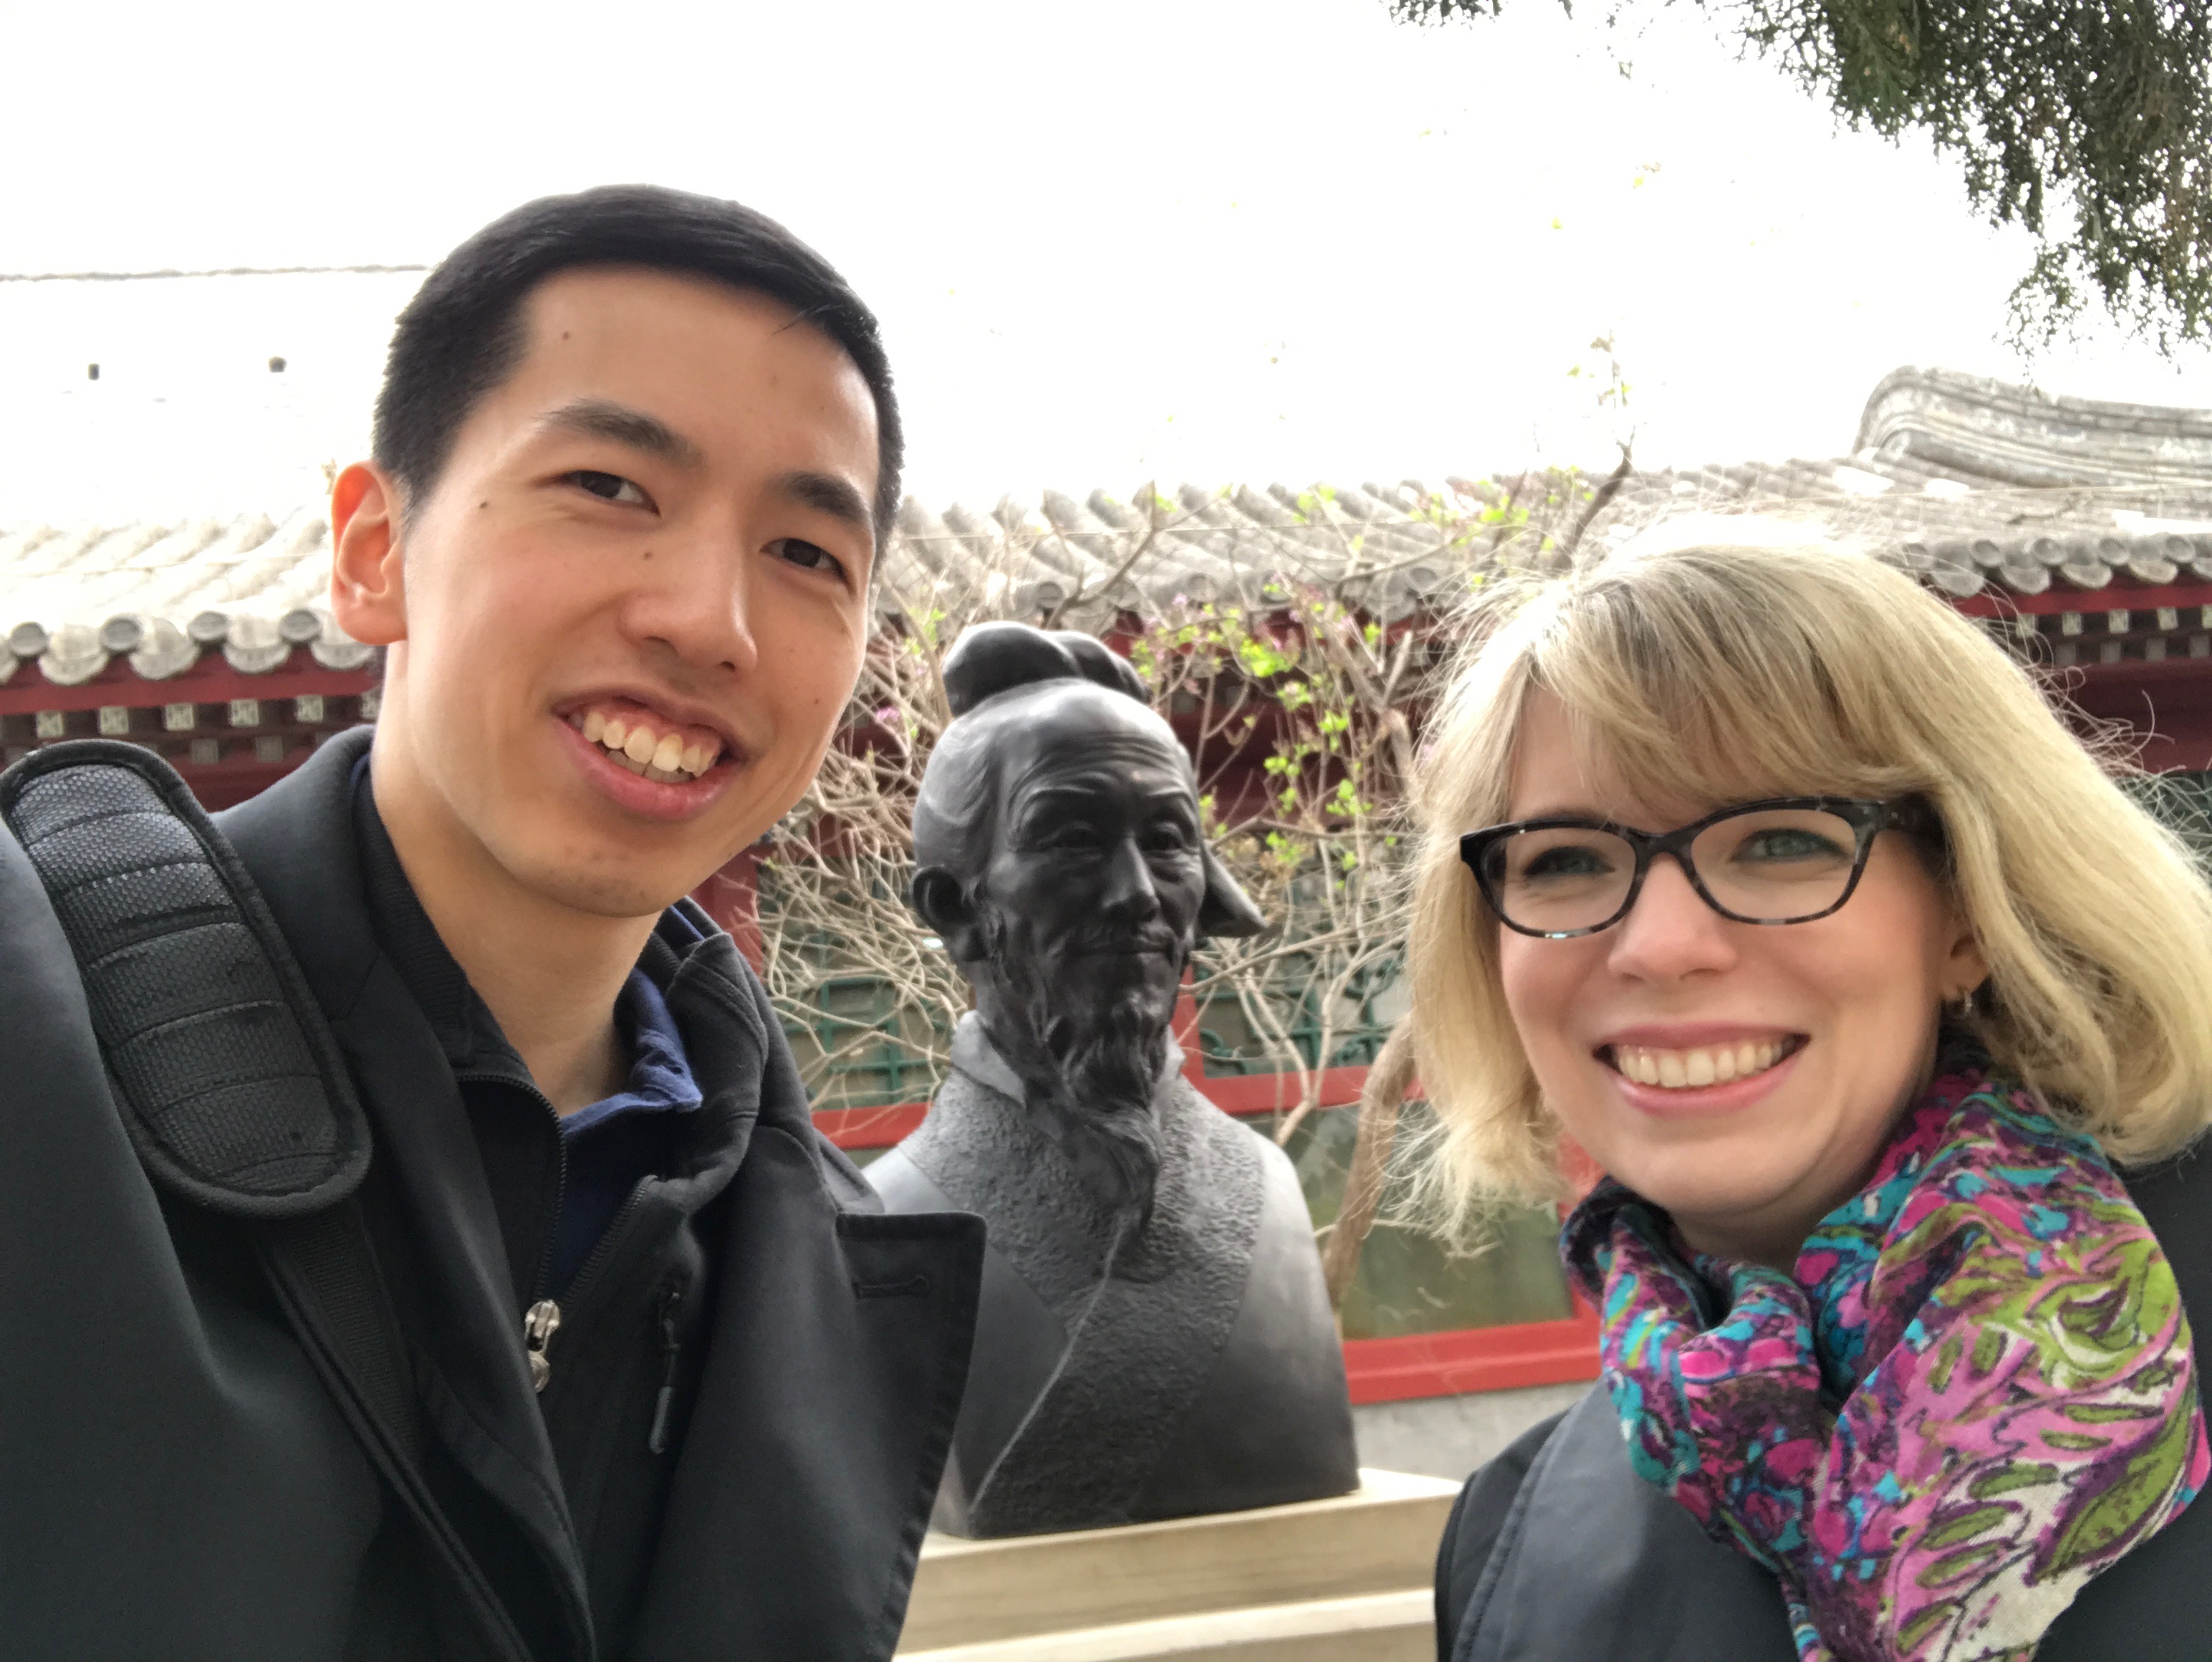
x,y
1867,817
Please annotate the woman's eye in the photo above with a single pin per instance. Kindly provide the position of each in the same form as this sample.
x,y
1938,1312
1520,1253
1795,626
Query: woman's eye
x,y
609,487
812,556
1568,862
1788,845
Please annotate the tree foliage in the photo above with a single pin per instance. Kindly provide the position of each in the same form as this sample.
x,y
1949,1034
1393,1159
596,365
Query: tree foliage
x,y
2088,122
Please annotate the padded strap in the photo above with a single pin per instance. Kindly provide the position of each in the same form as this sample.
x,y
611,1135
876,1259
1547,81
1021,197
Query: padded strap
x,y
232,1087
325,1271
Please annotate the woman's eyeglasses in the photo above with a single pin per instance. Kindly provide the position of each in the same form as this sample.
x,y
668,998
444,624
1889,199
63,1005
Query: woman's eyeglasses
x,y
1786,860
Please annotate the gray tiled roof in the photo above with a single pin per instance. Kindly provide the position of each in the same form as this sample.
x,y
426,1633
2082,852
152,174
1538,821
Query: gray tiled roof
x,y
1972,484
161,594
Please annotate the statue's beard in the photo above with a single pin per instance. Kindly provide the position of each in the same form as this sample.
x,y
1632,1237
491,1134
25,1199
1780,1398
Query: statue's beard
x,y
1088,1041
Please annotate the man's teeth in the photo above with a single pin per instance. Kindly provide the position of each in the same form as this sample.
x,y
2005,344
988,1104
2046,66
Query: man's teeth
x,y
1712,1065
666,758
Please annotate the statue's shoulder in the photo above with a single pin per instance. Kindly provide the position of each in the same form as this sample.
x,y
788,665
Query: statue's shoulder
x,y
975,1139
1241,1126
965,1108
1233,1143
1271,1152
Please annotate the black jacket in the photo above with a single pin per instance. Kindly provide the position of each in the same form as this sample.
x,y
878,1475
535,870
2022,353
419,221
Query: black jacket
x,y
1557,1551
176,1480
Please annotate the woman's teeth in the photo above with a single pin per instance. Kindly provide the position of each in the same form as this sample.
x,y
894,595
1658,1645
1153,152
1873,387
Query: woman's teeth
x,y
666,757
1712,1065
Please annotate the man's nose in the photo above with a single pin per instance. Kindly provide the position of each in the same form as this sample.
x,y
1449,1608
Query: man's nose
x,y
692,593
1127,892
1670,932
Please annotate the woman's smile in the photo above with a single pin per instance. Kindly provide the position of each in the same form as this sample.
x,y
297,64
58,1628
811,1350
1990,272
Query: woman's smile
x,y
1700,1068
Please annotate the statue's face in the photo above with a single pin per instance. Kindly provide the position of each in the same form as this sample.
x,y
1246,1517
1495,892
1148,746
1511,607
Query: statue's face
x,y
1096,874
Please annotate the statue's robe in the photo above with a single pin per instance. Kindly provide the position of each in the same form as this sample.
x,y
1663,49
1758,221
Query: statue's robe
x,y
1192,1367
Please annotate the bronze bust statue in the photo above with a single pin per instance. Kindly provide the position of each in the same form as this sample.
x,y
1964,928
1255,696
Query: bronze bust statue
x,y
1154,1338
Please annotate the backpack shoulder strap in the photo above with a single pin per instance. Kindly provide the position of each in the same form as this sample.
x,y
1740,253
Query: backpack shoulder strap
x,y
230,1083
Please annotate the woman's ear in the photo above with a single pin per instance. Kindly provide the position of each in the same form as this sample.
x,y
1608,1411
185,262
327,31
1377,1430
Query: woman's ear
x,y
369,568
941,900
1967,966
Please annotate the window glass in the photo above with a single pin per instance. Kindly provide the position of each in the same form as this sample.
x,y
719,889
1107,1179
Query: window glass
x,y
1408,1281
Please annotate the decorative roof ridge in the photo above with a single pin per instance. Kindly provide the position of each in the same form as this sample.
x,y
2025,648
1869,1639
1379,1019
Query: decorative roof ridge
x,y
2006,434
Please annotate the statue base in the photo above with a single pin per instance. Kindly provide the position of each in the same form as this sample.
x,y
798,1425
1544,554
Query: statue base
x,y
1347,1579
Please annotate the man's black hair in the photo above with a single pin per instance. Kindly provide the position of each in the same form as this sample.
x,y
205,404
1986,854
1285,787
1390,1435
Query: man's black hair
x,y
463,333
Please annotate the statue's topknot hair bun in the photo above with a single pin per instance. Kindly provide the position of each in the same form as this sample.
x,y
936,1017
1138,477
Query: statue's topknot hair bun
x,y
994,658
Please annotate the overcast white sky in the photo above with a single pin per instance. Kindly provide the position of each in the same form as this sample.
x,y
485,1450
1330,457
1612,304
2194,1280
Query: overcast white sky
x,y
1169,239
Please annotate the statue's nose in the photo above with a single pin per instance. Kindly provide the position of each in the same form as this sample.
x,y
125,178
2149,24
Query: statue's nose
x,y
1129,886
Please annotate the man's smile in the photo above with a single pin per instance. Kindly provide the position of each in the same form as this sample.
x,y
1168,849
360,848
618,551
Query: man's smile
x,y
664,751
645,760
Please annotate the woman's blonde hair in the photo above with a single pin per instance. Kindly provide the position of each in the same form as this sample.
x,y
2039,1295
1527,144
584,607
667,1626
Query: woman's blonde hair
x,y
1714,661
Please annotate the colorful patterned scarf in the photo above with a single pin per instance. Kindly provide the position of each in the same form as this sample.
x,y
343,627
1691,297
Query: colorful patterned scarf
x,y
1976,1392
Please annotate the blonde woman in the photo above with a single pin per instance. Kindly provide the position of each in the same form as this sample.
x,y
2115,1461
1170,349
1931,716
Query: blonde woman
x,y
1773,883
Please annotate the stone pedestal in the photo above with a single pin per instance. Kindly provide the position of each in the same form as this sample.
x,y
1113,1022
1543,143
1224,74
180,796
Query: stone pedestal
x,y
1347,1579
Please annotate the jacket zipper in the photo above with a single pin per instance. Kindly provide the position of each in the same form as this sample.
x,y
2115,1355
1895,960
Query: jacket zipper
x,y
543,1316
541,1321
671,1300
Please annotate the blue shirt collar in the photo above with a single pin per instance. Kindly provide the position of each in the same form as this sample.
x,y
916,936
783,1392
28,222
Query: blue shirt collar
x,y
660,1072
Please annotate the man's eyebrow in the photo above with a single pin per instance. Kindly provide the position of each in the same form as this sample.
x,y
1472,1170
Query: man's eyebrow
x,y
827,493
603,419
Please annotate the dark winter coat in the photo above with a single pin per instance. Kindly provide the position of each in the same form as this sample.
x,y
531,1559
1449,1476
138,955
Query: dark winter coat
x,y
177,1480
1557,1551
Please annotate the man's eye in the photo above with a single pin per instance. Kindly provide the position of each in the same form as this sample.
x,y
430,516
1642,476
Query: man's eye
x,y
609,487
811,555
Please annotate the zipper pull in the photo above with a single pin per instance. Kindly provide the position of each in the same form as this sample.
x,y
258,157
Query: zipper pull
x,y
538,1327
656,1441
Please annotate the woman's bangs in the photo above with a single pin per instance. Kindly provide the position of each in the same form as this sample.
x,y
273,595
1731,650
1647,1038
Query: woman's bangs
x,y
1694,723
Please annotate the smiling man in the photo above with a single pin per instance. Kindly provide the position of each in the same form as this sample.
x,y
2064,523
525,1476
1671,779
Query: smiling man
x,y
580,1342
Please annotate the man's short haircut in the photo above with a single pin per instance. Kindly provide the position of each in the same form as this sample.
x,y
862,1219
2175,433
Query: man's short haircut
x,y
463,333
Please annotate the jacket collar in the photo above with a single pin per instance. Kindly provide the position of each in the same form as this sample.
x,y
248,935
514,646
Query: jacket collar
x,y
467,1030
297,840
321,857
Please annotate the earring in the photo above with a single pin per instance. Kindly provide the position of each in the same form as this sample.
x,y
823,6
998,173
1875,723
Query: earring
x,y
1965,1006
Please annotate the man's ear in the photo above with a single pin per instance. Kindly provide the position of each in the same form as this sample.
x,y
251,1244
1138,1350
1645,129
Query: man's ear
x,y
1227,909
941,901
368,587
